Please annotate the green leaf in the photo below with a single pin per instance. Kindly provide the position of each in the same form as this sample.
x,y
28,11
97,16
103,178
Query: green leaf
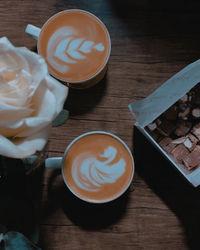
x,y
15,240
61,118
30,160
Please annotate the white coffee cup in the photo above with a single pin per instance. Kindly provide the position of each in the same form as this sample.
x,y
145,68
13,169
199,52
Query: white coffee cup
x,y
76,55
88,175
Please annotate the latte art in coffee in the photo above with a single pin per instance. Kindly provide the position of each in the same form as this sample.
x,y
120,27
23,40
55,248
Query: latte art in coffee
x,y
76,46
64,48
98,167
91,174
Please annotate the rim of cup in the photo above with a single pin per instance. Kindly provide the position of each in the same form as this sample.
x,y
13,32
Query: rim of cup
x,y
122,191
104,27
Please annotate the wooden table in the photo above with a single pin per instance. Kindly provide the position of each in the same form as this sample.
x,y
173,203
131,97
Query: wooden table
x,y
151,41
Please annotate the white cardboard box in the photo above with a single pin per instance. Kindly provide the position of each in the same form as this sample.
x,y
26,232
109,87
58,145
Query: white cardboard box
x,y
148,109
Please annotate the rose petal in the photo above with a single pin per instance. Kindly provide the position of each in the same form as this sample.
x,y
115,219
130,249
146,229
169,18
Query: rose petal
x,y
27,126
15,101
45,104
25,146
17,92
44,101
12,113
60,91
45,111
5,43
37,65
32,125
24,127
9,58
6,60
29,101
9,73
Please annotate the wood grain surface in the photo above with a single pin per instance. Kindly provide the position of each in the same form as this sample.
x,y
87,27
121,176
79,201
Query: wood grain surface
x,y
151,41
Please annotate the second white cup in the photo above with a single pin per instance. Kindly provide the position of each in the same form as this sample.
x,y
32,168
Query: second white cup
x,y
97,166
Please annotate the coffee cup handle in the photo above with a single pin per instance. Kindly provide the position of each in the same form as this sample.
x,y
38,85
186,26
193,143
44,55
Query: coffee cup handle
x,y
54,162
33,31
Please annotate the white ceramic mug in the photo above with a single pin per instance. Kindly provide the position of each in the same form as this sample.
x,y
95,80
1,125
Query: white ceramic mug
x,y
76,46
97,166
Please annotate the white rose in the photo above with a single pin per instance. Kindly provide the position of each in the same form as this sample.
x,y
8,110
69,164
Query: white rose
x,y
30,99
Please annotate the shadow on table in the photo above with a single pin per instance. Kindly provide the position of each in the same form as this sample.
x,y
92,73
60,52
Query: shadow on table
x,y
93,216
165,28
170,186
86,215
81,101
20,196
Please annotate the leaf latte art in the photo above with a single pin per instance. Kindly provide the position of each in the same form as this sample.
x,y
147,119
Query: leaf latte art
x,y
91,174
76,46
68,48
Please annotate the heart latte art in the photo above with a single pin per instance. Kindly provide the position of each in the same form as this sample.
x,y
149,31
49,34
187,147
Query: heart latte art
x,y
98,167
75,45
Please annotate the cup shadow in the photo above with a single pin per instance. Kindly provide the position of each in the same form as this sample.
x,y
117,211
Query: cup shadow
x,y
170,186
82,101
86,215
93,216
20,197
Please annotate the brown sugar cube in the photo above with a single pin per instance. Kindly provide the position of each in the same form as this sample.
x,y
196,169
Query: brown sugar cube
x,y
180,152
184,114
196,130
156,135
152,126
171,113
192,160
193,138
167,145
179,140
196,96
165,141
183,127
190,96
166,128
196,113
163,133
182,107
183,99
158,122
190,142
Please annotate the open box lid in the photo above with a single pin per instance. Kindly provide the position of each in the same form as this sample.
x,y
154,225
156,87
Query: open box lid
x,y
148,109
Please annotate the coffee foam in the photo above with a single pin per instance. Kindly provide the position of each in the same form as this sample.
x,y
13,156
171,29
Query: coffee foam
x,y
75,45
98,167
91,174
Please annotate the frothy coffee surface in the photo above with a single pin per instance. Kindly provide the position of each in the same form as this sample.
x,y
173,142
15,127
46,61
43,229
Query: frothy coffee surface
x,y
75,44
98,167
